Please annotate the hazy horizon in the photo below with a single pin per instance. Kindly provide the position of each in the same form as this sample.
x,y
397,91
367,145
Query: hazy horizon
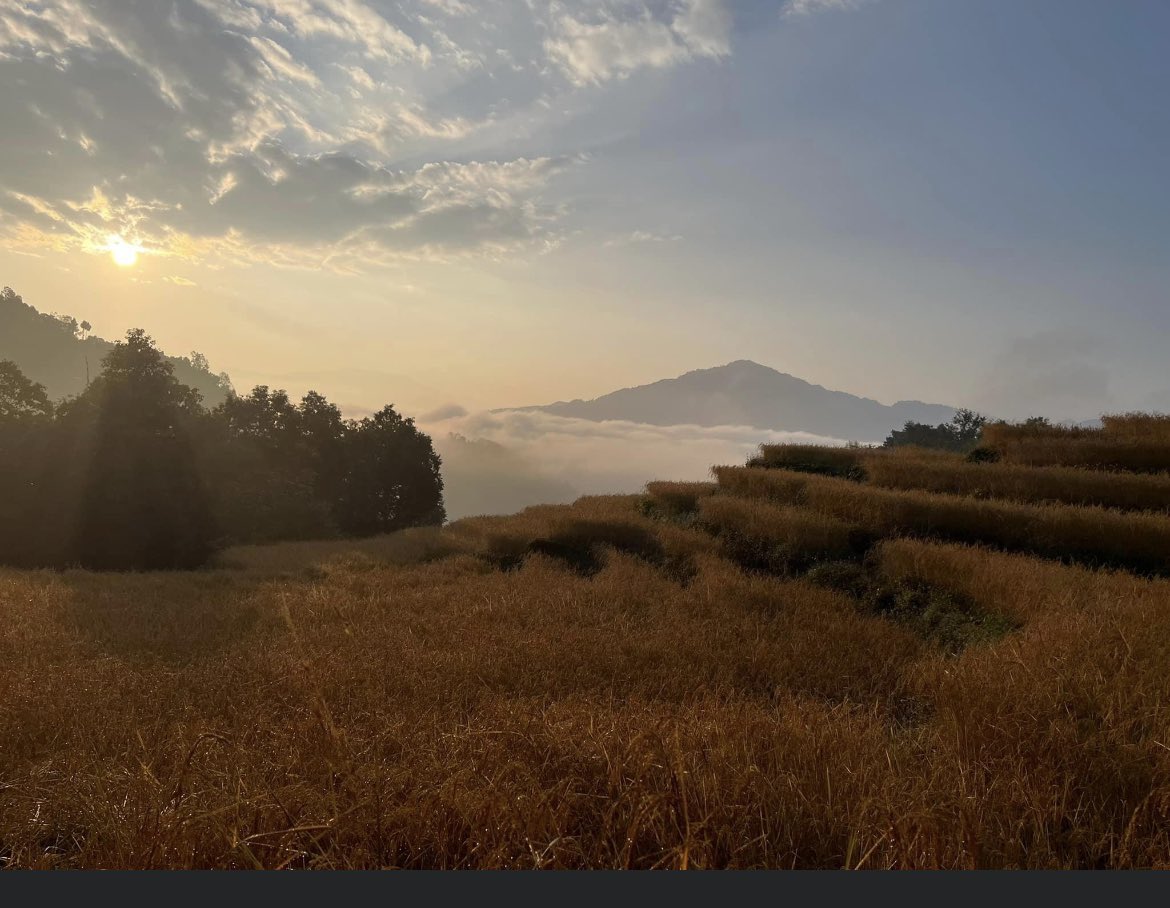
x,y
514,203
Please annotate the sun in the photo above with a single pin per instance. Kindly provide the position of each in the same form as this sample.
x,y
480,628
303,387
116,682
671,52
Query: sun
x,y
124,254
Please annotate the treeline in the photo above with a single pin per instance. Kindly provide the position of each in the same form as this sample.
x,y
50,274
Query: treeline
x,y
135,473
961,434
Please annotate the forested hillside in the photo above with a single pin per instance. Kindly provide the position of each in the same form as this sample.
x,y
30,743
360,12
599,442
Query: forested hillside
x,y
58,351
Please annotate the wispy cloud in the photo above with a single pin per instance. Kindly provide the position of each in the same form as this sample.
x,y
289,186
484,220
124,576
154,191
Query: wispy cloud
x,y
809,7
635,237
279,130
595,45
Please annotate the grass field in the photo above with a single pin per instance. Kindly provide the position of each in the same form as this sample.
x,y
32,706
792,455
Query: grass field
x,y
781,669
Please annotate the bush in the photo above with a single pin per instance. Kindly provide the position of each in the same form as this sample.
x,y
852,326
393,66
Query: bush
x,y
983,455
848,577
947,618
951,621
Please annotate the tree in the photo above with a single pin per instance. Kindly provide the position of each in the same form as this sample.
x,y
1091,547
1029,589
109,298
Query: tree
x,y
19,397
134,473
142,503
390,477
960,434
269,465
25,416
966,427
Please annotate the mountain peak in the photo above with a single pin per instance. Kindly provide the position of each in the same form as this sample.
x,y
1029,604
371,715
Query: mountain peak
x,y
746,393
742,367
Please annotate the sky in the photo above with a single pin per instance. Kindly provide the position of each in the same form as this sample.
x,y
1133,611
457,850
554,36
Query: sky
x,y
508,202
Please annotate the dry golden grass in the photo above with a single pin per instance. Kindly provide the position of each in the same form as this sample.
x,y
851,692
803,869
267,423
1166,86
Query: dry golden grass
x,y
1017,584
797,532
439,715
553,689
1094,449
999,434
1150,426
1080,693
1096,535
831,461
407,547
928,470
678,498
1015,482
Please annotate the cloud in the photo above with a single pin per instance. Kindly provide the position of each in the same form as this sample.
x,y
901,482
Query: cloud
x,y
484,477
810,7
599,457
444,413
596,45
643,236
350,23
250,130
309,133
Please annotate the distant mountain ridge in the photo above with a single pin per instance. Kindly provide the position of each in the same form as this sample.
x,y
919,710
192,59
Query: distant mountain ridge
x,y
745,393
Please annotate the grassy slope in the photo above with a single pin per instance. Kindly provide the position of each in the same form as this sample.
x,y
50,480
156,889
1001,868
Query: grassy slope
x,y
686,678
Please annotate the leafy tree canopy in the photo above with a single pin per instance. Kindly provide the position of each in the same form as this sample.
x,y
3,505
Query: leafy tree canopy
x,y
135,473
19,397
960,434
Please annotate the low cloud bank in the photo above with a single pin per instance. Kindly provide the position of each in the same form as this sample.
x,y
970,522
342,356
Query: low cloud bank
x,y
500,462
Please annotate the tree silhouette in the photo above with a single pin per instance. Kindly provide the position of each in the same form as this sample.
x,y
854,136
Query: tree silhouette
x,y
19,397
142,503
390,477
25,415
960,434
134,473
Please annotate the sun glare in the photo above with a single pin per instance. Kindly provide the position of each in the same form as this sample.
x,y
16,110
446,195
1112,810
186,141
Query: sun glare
x,y
124,254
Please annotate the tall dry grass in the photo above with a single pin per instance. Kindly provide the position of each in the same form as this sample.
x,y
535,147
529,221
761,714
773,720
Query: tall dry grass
x,y
1094,449
470,698
1080,693
1022,586
440,715
679,498
1015,482
822,459
1148,426
1096,535
764,536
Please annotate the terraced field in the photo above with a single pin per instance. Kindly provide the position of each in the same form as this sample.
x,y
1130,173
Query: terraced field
x,y
829,658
